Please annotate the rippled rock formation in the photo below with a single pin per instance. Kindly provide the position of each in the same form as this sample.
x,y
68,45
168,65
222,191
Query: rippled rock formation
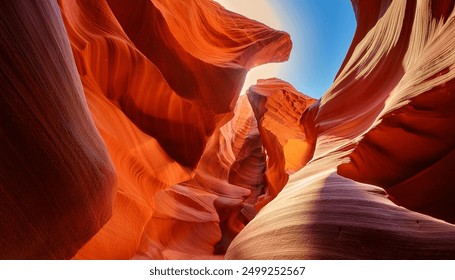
x,y
171,82
383,155
123,136
56,178
109,132
279,109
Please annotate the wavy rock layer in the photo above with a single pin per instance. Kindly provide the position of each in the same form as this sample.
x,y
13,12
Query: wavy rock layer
x,y
122,136
210,209
56,178
278,108
384,132
160,85
102,147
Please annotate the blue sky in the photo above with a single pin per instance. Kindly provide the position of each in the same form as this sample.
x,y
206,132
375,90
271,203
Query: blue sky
x,y
321,31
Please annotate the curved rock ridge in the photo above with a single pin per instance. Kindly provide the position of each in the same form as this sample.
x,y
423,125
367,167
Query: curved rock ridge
x,y
185,59
214,206
161,85
56,178
383,150
108,109
279,109
420,109
123,136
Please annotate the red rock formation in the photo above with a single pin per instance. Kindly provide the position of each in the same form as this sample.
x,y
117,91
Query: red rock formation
x,y
159,84
214,206
384,133
419,112
184,59
278,108
56,179
138,147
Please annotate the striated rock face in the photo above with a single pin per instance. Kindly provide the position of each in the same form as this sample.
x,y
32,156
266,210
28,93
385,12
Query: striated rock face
x,y
160,85
56,178
279,109
149,54
210,209
122,136
384,132
102,144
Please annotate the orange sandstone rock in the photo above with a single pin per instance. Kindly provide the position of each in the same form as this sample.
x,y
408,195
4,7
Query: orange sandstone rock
x,y
56,179
159,85
384,136
211,209
136,144
279,109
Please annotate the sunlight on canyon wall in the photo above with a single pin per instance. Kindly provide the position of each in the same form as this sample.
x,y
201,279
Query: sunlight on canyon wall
x,y
124,135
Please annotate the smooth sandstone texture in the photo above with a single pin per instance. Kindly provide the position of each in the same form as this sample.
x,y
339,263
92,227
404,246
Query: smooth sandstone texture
x,y
279,109
160,85
123,136
384,149
108,110
56,179
210,209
